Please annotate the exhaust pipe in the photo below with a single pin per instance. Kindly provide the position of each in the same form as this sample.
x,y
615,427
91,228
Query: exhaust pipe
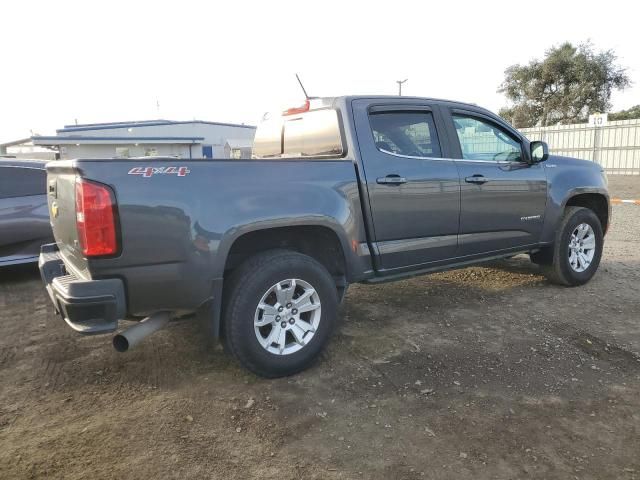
x,y
132,336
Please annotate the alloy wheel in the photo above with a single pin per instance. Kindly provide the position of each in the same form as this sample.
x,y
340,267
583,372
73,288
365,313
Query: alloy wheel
x,y
287,316
582,247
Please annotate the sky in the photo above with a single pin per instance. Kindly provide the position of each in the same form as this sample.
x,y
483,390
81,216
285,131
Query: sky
x,y
232,61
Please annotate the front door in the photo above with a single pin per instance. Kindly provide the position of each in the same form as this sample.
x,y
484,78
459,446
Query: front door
x,y
503,194
414,191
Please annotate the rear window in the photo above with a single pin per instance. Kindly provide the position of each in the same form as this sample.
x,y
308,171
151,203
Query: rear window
x,y
311,134
409,134
22,181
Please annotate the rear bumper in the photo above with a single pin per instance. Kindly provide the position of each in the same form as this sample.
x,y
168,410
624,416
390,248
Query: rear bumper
x,y
88,306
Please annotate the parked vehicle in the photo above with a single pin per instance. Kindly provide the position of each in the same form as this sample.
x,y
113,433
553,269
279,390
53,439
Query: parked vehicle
x,y
24,215
341,190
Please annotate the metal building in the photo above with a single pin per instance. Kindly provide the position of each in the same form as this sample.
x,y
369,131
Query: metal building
x,y
189,139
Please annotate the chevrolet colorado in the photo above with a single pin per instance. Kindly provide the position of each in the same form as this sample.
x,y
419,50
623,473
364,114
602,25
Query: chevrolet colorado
x,y
341,190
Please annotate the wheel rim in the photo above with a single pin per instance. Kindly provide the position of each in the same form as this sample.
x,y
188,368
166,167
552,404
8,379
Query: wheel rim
x,y
582,247
287,316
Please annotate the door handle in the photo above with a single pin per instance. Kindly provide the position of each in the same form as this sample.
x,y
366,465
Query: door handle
x,y
391,180
477,179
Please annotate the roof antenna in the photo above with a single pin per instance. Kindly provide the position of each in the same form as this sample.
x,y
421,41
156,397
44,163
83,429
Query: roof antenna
x,y
302,109
303,89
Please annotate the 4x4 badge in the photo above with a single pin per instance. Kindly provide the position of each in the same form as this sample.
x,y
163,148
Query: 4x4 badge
x,y
150,171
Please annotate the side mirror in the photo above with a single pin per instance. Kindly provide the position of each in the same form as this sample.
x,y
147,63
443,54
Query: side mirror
x,y
539,151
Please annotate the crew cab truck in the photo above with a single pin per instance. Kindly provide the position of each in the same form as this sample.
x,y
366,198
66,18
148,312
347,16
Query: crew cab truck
x,y
338,191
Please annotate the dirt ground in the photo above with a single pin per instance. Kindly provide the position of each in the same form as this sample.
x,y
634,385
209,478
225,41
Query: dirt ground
x,y
487,372
625,186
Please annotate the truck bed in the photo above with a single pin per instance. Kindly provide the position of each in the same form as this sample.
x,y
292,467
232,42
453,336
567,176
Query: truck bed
x,y
178,218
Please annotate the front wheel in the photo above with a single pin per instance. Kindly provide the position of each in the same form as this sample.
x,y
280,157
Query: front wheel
x,y
577,248
281,312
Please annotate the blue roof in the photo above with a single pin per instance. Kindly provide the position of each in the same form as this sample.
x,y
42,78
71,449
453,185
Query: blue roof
x,y
141,123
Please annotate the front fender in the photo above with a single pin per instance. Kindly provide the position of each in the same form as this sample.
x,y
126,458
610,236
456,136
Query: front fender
x,y
568,178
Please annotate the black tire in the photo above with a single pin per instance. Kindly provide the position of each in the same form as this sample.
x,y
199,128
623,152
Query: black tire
x,y
248,283
559,271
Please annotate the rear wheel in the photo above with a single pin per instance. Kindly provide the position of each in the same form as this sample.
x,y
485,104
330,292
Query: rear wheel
x,y
577,248
281,311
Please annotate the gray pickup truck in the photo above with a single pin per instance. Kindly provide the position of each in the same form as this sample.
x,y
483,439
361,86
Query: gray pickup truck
x,y
341,190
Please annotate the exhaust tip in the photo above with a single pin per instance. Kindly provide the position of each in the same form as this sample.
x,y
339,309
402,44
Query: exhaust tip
x,y
132,336
120,343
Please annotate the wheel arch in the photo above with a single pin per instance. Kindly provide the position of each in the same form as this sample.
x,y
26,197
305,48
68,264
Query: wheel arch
x,y
596,201
318,240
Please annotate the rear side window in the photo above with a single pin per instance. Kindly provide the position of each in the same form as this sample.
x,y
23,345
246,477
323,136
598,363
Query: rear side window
x,y
410,134
22,182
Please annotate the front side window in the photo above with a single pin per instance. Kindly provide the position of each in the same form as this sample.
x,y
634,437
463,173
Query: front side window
x,y
411,134
482,140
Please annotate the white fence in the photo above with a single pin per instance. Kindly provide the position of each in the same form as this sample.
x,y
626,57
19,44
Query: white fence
x,y
615,146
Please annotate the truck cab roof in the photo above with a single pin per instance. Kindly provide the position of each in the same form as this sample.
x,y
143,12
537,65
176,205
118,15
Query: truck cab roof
x,y
430,100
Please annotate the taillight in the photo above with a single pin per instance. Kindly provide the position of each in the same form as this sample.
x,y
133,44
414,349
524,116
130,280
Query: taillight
x,y
95,219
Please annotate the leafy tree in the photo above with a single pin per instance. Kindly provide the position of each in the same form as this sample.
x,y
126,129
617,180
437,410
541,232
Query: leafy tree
x,y
629,114
565,87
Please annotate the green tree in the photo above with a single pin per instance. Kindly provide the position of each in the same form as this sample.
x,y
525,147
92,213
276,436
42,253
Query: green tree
x,y
629,114
564,87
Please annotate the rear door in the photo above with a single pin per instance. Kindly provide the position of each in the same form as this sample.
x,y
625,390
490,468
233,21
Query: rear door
x,y
503,195
414,191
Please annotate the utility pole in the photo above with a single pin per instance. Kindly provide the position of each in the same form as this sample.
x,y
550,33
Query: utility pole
x,y
400,82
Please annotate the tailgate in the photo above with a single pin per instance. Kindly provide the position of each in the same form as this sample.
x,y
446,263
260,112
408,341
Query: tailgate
x,y
61,180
